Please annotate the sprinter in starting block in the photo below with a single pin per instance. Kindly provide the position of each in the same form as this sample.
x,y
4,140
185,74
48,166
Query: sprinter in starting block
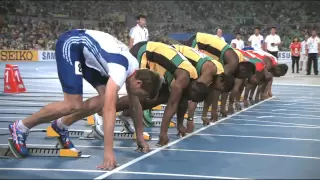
x,y
232,64
210,72
262,76
106,64
180,82
272,66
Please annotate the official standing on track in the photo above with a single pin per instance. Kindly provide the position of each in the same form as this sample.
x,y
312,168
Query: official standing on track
x,y
303,54
238,42
139,32
272,42
256,40
313,50
295,48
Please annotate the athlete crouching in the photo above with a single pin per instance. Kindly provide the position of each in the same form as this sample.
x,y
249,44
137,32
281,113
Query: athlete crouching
x,y
272,66
84,54
180,83
261,76
233,66
211,72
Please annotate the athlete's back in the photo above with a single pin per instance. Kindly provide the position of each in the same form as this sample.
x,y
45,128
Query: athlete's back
x,y
107,42
94,56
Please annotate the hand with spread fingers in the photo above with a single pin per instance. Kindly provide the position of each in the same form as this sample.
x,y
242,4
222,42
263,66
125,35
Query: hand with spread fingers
x,y
109,162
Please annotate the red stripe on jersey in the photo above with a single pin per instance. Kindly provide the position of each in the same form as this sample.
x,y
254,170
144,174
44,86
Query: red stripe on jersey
x,y
262,55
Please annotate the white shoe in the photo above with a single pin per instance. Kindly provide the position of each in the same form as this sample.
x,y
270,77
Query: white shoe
x,y
127,123
98,131
98,120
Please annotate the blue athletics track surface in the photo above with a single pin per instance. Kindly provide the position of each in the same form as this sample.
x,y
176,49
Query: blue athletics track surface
x,y
278,138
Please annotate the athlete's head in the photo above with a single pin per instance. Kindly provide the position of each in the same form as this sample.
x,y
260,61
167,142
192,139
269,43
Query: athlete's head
x,y
141,20
223,83
245,70
166,40
259,76
145,83
197,91
231,61
279,70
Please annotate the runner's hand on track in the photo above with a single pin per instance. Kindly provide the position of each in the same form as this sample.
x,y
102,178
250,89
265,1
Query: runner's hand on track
x,y
182,131
163,140
142,146
238,106
109,162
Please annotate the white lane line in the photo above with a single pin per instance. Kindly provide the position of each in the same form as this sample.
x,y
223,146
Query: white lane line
x,y
245,153
304,85
258,137
271,125
274,122
173,143
120,172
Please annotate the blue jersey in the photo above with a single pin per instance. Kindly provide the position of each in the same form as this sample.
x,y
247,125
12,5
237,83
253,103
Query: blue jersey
x,y
93,55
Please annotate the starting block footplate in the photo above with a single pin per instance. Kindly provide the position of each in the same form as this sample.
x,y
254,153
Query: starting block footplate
x,y
10,152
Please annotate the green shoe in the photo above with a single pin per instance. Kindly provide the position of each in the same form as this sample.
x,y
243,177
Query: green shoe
x,y
147,118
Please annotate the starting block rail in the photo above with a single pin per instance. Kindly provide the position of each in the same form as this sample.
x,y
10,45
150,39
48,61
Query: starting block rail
x,y
10,152
159,114
163,106
91,121
92,134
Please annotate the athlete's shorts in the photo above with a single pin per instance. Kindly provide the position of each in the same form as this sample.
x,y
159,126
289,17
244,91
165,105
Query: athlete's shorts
x,y
71,65
211,50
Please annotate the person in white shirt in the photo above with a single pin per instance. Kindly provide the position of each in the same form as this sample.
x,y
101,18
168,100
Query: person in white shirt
x,y
256,40
303,54
237,43
139,32
313,50
272,42
219,34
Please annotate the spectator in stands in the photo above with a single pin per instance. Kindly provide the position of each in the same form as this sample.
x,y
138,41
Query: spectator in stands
x,y
295,48
237,43
256,40
303,54
139,32
219,34
272,42
313,49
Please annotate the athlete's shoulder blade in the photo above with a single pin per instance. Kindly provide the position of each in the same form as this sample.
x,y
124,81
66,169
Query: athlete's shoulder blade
x,y
107,42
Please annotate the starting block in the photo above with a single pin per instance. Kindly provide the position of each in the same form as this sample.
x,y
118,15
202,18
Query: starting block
x,y
162,107
10,152
91,121
159,114
120,135
91,135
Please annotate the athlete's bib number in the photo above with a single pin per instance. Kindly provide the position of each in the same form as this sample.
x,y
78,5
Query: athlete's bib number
x,y
182,56
122,46
296,50
78,69
202,55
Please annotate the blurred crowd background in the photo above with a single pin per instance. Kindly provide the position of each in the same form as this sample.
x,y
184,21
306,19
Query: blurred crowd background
x,y
29,24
